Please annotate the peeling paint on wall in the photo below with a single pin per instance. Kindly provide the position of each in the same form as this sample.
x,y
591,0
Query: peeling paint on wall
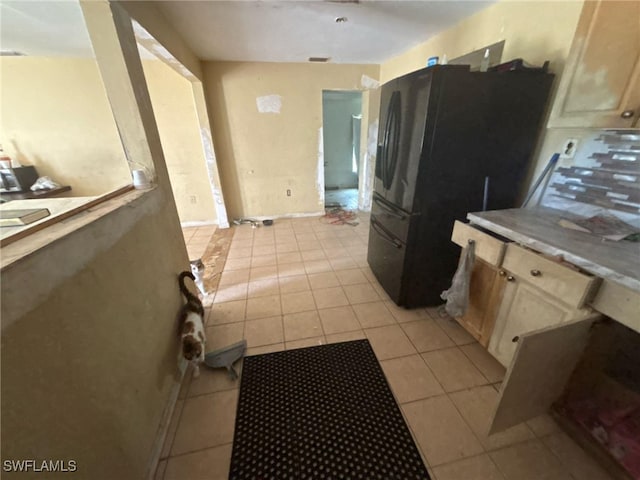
x,y
592,87
269,103
214,180
144,38
369,83
372,145
368,169
320,173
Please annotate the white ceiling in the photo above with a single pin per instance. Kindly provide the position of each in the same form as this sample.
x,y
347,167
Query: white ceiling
x,y
44,28
266,31
293,31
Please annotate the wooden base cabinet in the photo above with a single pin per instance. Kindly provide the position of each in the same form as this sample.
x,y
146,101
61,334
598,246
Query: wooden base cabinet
x,y
485,295
539,293
487,280
525,308
587,372
543,362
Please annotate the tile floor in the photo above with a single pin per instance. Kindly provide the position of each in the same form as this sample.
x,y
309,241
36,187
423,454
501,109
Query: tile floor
x,y
197,239
303,282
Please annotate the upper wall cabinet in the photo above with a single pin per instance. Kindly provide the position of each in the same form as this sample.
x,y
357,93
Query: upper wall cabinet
x,y
600,85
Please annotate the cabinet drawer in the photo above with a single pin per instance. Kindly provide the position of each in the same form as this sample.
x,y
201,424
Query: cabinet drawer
x,y
488,248
571,287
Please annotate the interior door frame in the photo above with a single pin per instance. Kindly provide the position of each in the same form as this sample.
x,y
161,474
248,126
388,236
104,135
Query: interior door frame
x,y
364,157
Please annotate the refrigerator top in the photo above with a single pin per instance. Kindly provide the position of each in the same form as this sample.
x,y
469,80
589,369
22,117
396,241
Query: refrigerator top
x,y
467,68
432,69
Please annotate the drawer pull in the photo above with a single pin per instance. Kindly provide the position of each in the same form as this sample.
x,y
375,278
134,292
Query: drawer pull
x,y
627,114
502,273
536,273
511,278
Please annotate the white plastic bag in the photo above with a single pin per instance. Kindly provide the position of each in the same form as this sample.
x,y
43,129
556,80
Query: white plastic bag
x,y
44,183
457,296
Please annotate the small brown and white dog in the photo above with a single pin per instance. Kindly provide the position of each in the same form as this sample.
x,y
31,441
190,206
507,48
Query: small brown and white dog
x,y
191,326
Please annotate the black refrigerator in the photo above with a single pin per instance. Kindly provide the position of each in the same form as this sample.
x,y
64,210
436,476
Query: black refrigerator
x,y
450,142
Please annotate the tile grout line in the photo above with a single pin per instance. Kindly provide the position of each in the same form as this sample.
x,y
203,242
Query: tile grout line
x,y
183,454
475,456
474,364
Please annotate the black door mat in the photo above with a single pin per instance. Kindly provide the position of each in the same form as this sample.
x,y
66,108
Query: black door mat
x,y
321,412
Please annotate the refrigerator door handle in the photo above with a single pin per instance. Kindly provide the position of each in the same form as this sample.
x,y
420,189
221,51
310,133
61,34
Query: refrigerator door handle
x,y
391,160
388,209
384,235
385,144
379,163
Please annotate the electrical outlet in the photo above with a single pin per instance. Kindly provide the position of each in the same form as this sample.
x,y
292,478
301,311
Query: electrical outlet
x,y
569,148
193,199
288,192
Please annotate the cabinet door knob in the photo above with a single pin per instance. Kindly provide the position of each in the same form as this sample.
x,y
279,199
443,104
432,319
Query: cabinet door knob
x,y
502,273
627,114
536,273
511,278
515,339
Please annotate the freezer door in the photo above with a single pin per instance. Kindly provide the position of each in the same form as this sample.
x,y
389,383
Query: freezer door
x,y
386,258
396,221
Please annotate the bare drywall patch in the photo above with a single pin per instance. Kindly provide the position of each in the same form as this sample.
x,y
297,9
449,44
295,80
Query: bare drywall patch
x,y
269,103
369,83
320,173
214,180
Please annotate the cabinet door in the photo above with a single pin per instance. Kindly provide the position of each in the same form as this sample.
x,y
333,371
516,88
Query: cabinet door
x,y
485,295
543,362
600,85
524,308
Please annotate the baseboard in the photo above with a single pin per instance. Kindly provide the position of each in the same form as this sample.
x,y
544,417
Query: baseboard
x,y
204,223
287,215
300,215
163,428
259,218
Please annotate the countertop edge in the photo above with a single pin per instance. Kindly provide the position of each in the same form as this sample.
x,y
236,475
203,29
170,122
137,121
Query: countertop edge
x,y
584,263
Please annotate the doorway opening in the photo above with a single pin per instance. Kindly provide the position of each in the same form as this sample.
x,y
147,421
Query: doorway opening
x,y
341,125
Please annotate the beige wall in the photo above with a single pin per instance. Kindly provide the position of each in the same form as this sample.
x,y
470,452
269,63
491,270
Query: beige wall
x,y
173,105
88,344
261,155
56,116
532,30
89,353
